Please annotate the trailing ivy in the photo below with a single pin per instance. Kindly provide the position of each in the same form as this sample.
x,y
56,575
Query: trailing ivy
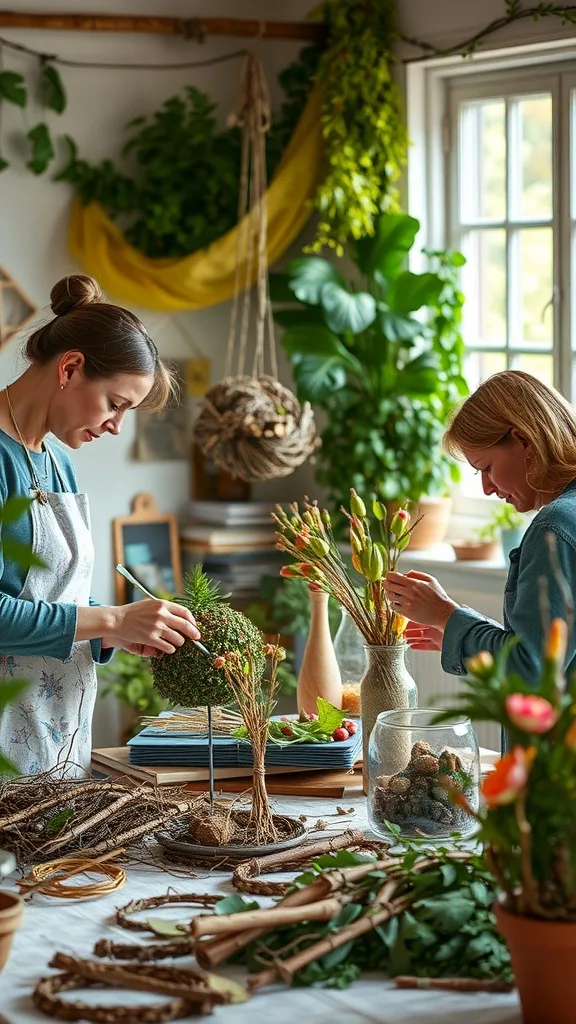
x,y
363,123
13,90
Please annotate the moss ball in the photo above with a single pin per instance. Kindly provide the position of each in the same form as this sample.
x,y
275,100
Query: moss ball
x,y
189,678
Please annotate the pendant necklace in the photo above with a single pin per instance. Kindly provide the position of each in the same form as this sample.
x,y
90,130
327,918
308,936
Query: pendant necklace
x,y
40,494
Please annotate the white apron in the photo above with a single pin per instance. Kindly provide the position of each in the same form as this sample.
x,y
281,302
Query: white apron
x,y
50,724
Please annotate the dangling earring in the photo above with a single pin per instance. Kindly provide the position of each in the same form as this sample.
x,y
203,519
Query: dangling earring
x,y
62,386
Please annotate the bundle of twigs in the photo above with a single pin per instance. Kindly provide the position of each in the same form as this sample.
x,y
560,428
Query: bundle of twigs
x,y
383,889
43,816
224,721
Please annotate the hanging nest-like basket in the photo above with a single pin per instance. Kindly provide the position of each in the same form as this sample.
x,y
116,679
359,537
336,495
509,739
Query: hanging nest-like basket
x,y
255,428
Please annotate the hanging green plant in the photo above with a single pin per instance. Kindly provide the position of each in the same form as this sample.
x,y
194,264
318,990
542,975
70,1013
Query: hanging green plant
x,y
183,194
52,94
362,121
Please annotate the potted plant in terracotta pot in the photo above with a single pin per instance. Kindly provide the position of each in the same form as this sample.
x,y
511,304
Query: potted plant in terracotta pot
x,y
381,354
528,821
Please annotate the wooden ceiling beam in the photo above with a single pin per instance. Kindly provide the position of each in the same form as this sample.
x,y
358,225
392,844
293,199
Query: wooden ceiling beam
x,y
190,28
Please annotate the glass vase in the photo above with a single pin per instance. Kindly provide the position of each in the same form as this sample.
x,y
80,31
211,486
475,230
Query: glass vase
x,y
386,685
350,651
412,766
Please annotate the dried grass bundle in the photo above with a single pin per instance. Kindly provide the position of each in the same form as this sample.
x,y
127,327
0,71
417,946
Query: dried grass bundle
x,y
42,816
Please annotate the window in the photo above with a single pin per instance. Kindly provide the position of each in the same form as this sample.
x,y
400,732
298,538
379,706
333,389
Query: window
x,y
499,149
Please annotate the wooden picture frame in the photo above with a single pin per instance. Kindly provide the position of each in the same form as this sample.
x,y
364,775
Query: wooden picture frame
x,y
146,542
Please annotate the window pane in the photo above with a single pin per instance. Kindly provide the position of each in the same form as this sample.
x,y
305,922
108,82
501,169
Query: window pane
x,y
484,285
534,271
480,365
531,157
483,161
539,366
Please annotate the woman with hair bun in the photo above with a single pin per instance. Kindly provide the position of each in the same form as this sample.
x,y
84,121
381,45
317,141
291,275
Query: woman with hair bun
x,y
520,435
90,364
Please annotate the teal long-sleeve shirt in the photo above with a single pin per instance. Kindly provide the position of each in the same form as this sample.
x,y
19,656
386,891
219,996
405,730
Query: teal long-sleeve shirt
x,y
34,627
468,632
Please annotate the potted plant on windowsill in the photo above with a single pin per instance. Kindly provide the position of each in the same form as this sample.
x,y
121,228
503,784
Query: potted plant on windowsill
x,y
382,356
505,527
528,820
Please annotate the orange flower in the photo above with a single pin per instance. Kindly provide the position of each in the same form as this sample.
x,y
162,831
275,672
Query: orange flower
x,y
557,640
509,777
570,737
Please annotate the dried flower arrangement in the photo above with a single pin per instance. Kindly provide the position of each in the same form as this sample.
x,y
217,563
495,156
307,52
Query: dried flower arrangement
x,y
308,538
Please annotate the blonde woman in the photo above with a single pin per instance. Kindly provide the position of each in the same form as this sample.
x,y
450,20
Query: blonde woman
x,y
520,435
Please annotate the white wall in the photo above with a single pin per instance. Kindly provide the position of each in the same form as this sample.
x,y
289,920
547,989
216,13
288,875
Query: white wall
x,y
34,211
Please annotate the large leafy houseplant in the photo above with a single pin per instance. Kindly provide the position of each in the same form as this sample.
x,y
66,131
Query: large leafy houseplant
x,y
382,355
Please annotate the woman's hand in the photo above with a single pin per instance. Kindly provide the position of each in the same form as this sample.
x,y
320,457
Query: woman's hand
x,y
150,627
419,597
423,638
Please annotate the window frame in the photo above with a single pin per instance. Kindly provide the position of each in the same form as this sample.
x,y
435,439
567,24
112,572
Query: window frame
x,y
434,88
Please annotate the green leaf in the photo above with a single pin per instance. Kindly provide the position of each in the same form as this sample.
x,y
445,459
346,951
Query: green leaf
x,y
313,340
329,717
42,148
347,311
6,766
481,893
336,956
165,928
13,509
66,174
57,822
309,275
10,689
387,250
449,874
410,292
21,554
447,913
3,164
53,92
235,904
13,88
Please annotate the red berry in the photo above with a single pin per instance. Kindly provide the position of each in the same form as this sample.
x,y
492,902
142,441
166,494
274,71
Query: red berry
x,y
287,731
340,734
352,727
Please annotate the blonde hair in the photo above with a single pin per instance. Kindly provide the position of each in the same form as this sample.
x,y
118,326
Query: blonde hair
x,y
514,400
112,339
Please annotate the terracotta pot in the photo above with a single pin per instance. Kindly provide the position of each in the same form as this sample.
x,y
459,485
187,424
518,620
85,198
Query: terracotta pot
x,y
11,912
432,528
476,550
319,673
543,955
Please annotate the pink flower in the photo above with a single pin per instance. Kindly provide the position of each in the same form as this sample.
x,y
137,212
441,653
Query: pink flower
x,y
530,713
219,662
509,777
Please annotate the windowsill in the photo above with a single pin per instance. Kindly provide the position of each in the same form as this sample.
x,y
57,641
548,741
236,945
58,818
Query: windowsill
x,y
443,555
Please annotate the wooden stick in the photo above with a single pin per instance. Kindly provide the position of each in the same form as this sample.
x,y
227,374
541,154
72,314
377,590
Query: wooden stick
x,y
129,976
83,826
456,984
212,952
195,28
215,924
71,794
144,954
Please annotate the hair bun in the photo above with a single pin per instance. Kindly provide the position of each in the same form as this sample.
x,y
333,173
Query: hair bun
x,y
73,291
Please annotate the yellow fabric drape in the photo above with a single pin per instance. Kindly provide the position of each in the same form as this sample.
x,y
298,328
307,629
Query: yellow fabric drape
x,y
205,277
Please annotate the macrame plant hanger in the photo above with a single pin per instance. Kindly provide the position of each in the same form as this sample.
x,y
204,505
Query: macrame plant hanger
x,y
249,423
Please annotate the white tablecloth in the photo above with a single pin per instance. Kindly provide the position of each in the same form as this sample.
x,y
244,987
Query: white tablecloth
x,y
74,927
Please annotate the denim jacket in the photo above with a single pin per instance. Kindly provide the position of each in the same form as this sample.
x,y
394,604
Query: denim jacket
x,y
467,632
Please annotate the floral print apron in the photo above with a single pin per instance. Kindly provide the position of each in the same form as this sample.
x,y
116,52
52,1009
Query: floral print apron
x,y
50,724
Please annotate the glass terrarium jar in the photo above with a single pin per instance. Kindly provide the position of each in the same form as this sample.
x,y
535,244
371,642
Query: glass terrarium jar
x,y
412,764
350,651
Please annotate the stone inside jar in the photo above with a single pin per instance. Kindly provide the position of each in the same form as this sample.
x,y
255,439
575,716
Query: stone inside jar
x,y
417,798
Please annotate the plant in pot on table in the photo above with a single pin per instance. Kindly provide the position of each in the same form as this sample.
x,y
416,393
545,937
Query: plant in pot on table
x,y
309,539
528,820
382,355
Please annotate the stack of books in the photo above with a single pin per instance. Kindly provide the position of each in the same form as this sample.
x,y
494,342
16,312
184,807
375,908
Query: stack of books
x,y
234,541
